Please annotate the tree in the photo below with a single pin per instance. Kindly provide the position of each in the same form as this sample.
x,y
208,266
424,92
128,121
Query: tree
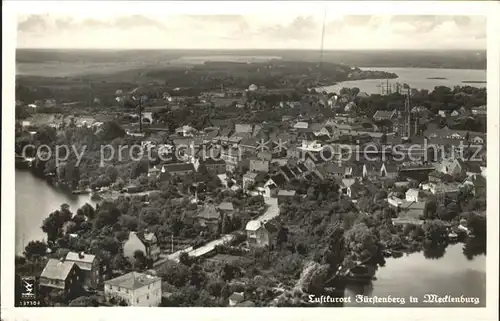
x,y
214,287
35,250
174,273
228,272
140,261
112,172
435,231
430,209
110,131
54,223
196,275
86,210
84,301
227,226
434,252
185,259
106,215
383,139
139,168
361,241
282,236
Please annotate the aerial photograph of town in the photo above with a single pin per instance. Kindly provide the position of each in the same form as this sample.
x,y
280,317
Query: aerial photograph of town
x,y
317,160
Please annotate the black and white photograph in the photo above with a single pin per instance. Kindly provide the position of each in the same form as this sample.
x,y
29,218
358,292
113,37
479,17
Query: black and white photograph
x,y
299,157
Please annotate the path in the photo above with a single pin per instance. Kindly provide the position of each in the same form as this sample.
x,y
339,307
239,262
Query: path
x,y
271,212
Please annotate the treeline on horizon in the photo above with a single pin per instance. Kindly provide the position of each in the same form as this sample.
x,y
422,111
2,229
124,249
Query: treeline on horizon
x,y
453,59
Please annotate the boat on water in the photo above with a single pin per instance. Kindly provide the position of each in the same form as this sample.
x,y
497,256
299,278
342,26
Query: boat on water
x,y
360,274
82,191
387,253
453,237
21,162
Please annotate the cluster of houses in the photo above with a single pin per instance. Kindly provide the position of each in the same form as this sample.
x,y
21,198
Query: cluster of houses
x,y
298,152
268,162
58,121
83,270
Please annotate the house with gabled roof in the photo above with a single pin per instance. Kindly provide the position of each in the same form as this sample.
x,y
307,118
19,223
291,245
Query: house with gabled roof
x,y
253,178
232,157
301,125
413,195
259,165
287,172
278,180
60,275
260,234
176,169
89,266
249,145
226,208
331,170
285,195
224,135
476,184
384,115
208,216
319,130
144,241
216,166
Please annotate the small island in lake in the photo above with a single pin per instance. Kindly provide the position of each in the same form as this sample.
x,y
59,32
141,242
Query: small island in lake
x,y
474,82
440,78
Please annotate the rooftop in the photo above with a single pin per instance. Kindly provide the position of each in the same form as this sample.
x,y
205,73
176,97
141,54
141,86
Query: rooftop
x,y
253,225
80,257
209,212
227,206
284,192
133,280
179,167
57,269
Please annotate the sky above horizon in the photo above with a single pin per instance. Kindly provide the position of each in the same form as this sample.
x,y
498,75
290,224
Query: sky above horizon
x,y
267,30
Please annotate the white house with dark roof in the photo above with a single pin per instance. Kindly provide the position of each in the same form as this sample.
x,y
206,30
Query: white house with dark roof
x,y
88,265
145,242
413,195
136,289
252,178
261,234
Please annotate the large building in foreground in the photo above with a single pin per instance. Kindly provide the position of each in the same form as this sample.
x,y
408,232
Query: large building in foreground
x,y
136,289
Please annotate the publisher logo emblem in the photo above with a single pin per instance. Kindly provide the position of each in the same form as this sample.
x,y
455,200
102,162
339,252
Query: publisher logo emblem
x,y
28,288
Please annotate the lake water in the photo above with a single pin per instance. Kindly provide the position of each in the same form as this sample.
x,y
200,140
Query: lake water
x,y
416,275
409,275
35,199
415,77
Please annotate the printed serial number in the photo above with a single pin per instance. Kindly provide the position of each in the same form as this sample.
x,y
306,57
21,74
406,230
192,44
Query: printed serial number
x,y
29,303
